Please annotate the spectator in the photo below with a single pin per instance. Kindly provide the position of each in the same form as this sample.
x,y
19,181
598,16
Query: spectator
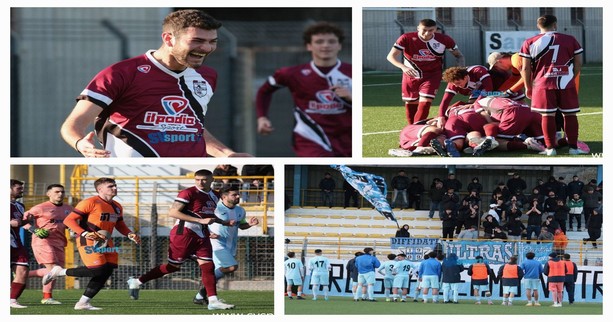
x,y
480,273
561,214
534,220
492,212
521,197
400,184
540,186
436,196
536,194
250,183
514,203
515,228
576,209
571,278
471,233
450,200
416,189
550,185
592,183
488,226
226,170
560,241
532,278
511,276
451,278
561,189
327,186
403,231
350,194
475,185
550,205
594,226
575,186
512,213
550,224
452,182
462,217
516,183
502,190
449,221
473,197
499,234
545,235
591,201
473,216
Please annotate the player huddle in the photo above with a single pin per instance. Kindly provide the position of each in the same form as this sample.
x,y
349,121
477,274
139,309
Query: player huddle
x,y
494,116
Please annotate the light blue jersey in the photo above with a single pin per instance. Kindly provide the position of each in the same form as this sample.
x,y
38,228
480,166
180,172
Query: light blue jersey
x,y
293,271
387,269
404,267
228,235
319,265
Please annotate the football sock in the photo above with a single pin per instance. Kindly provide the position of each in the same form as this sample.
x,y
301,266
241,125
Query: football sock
x,y
571,128
371,291
208,278
426,138
158,272
409,110
47,295
315,288
548,124
423,109
491,130
84,299
48,288
299,293
17,289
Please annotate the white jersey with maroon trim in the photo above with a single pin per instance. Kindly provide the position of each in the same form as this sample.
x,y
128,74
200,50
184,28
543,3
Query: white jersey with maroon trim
x,y
201,204
149,110
319,112
424,56
552,58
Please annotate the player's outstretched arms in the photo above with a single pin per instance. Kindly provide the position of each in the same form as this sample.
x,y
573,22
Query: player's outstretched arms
x,y
215,148
264,125
74,129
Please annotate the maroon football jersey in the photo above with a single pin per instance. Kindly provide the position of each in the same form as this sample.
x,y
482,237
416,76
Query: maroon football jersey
x,y
424,56
479,85
551,54
201,204
149,110
320,115
496,106
17,211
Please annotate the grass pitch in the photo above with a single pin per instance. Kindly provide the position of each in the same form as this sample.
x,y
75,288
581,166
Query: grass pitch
x,y
151,302
383,114
346,305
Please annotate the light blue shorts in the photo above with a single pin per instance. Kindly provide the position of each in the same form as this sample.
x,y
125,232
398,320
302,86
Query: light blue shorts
x,y
320,279
429,281
388,282
532,283
401,281
293,281
481,288
223,258
366,278
509,289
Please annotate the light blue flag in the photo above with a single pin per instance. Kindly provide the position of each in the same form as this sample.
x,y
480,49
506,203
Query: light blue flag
x,y
371,186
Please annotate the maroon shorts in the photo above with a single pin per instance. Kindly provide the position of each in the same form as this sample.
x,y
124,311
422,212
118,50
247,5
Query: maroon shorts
x,y
19,256
457,126
551,100
515,121
427,86
341,147
186,245
410,135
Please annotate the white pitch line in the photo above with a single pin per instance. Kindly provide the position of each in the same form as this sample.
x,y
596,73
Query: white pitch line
x,y
396,131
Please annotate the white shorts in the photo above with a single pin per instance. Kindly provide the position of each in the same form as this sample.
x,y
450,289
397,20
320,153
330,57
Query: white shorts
x,y
293,281
320,279
429,281
366,278
223,258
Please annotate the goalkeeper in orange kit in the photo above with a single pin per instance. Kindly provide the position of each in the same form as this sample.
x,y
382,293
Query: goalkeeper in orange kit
x,y
93,220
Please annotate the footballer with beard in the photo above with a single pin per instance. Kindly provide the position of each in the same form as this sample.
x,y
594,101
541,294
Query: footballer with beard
x,y
153,105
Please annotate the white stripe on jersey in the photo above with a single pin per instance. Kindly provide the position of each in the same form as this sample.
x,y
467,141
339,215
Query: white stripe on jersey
x,y
106,100
308,132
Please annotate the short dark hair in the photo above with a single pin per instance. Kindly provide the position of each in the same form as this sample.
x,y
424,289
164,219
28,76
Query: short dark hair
x,y
391,256
177,21
566,256
227,188
54,185
530,255
291,254
102,180
322,27
546,21
203,173
367,250
427,23
318,251
15,182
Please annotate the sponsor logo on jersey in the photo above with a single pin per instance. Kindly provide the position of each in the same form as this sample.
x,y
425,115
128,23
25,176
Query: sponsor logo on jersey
x,y
173,120
144,68
163,137
200,89
424,55
101,250
306,72
326,103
